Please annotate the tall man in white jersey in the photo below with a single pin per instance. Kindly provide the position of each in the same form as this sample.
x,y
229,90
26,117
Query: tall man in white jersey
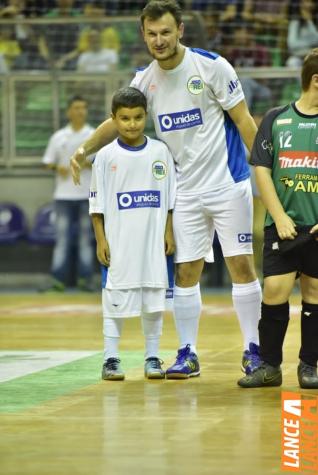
x,y
198,108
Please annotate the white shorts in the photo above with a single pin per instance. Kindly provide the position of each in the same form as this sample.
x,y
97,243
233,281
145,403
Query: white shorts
x,y
132,302
197,217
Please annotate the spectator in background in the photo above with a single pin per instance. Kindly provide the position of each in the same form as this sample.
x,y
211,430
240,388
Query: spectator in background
x,y
220,18
9,46
97,59
302,32
3,65
31,57
270,18
247,53
227,9
129,7
109,38
213,32
15,9
71,202
59,40
95,9
37,8
24,45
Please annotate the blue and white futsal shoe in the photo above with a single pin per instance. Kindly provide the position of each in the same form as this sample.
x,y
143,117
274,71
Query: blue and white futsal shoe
x,y
186,365
112,370
153,368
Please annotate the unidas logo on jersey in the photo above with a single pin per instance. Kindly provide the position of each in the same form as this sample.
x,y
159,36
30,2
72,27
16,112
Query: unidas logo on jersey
x,y
139,199
180,120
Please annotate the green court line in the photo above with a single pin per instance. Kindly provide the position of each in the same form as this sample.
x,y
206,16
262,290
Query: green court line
x,y
31,390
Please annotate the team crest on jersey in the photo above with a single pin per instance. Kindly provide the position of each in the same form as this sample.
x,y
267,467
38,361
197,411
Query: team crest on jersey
x,y
195,85
159,170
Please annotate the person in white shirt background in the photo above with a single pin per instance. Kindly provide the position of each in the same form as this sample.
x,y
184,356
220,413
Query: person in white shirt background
x,y
197,104
73,226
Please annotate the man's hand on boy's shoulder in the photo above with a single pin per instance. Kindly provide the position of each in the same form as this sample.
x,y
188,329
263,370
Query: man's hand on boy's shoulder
x,y
77,162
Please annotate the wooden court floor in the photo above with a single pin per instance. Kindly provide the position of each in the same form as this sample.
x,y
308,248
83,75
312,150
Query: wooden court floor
x,y
57,417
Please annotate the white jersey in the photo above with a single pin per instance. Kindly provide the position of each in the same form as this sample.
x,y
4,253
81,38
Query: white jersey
x,y
188,105
60,148
134,187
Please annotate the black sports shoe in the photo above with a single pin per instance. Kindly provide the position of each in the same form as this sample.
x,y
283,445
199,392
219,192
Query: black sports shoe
x,y
265,375
112,370
307,376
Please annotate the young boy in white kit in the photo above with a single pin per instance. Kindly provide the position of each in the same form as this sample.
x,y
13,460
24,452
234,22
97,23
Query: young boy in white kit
x,y
131,200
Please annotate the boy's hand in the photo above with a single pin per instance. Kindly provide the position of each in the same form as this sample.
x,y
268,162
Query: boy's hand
x,y
314,230
103,253
286,227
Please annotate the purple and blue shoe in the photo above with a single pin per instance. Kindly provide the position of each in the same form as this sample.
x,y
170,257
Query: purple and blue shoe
x,y
186,365
251,359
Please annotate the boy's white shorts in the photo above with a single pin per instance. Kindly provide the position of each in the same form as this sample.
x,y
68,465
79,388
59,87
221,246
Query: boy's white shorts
x,y
197,217
132,302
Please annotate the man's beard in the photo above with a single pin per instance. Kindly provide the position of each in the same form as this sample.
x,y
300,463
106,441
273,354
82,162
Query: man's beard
x,y
171,56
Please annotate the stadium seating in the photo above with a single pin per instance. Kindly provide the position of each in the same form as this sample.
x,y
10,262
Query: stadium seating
x,y
12,223
43,229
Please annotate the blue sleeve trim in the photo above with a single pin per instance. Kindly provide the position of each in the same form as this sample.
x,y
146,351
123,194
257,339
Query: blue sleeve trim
x,y
207,54
237,162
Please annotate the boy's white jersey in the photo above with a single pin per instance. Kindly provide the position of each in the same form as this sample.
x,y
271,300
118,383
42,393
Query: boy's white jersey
x,y
134,187
188,105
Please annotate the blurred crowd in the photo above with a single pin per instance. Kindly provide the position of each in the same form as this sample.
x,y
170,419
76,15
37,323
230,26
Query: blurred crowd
x,y
250,33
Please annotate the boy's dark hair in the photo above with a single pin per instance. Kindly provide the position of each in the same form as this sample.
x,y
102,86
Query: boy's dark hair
x,y
128,97
310,67
155,9
75,99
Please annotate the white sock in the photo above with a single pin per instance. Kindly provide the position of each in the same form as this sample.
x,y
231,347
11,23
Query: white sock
x,y
112,332
152,330
187,310
247,299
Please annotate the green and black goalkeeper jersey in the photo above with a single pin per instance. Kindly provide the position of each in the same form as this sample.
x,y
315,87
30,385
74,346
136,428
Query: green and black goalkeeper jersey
x,y
287,142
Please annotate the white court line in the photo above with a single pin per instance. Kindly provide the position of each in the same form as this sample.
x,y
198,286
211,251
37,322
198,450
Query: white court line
x,y
14,364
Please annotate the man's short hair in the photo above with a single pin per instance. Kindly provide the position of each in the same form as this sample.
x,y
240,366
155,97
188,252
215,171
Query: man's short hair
x,y
310,67
75,98
155,9
128,97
